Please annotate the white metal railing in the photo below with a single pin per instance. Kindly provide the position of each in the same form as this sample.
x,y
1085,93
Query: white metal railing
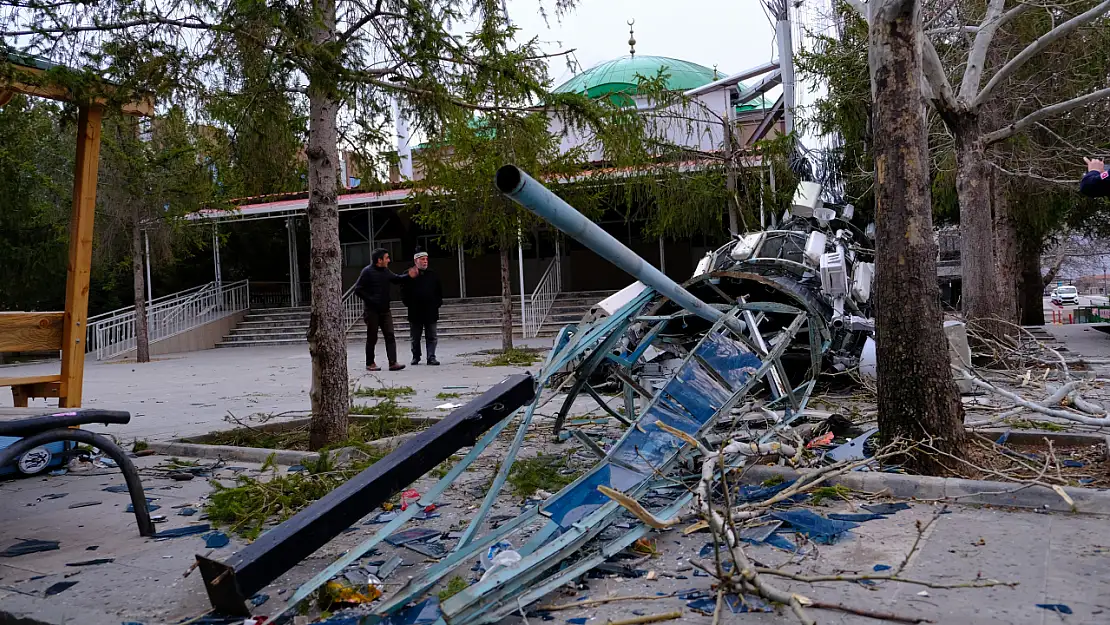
x,y
352,308
539,305
113,333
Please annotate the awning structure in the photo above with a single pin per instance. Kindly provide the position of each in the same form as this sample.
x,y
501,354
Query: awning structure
x,y
396,198
298,206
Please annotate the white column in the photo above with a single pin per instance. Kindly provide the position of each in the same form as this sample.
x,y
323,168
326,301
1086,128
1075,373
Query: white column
x,y
462,272
216,254
520,270
786,66
146,263
662,257
370,227
404,150
559,259
294,287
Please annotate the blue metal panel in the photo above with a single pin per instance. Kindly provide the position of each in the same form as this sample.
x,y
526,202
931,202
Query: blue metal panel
x,y
697,391
662,412
646,451
732,360
584,498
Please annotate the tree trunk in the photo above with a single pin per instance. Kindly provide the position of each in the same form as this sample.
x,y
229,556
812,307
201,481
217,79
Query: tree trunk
x,y
1006,250
918,400
327,342
1032,285
506,301
138,274
977,259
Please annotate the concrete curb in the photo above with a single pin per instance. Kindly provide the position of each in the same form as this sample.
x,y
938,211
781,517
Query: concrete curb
x,y
955,490
1036,437
194,447
229,452
285,457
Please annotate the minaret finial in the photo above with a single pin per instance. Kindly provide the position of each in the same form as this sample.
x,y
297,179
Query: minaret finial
x,y
631,38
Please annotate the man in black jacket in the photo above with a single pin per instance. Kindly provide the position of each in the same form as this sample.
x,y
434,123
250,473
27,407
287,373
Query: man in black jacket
x,y
1096,182
372,288
423,295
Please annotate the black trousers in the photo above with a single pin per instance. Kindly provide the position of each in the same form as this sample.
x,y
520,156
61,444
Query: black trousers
x,y
428,329
384,320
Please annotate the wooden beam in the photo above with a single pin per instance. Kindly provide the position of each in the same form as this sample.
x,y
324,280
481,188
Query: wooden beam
x,y
30,331
32,386
30,379
22,393
80,254
143,106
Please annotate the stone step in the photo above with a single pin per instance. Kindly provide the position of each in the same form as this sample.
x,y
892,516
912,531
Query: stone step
x,y
360,334
296,313
478,317
583,297
569,313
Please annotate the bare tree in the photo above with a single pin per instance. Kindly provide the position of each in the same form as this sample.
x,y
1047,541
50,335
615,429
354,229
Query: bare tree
x,y
963,109
917,397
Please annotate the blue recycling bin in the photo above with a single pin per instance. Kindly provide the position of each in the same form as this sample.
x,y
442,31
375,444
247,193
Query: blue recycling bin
x,y
37,460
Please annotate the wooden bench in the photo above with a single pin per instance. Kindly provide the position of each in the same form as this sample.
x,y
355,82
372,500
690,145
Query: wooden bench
x,y
32,331
41,426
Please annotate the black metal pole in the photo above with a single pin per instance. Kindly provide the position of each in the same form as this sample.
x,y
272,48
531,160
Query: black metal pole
x,y
232,582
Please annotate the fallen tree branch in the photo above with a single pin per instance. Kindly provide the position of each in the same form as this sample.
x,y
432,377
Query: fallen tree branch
x,y
649,618
591,602
885,616
1025,403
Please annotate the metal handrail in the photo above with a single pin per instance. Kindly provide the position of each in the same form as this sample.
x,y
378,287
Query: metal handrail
x,y
111,336
178,308
352,308
152,303
543,298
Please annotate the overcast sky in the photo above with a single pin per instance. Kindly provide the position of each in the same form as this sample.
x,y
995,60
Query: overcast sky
x,y
732,34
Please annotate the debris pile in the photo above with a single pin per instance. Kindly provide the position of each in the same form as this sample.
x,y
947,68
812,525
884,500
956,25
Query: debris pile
x,y
710,378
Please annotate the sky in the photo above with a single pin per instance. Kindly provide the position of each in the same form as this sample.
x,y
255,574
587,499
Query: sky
x,y
731,34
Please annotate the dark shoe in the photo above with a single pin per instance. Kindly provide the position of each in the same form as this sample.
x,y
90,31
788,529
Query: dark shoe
x,y
396,366
416,360
373,367
433,361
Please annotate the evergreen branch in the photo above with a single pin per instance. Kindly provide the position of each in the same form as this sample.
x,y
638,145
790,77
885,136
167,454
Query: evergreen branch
x,y
373,79
191,22
344,36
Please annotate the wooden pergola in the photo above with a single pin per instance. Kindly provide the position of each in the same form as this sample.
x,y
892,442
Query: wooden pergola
x,y
65,330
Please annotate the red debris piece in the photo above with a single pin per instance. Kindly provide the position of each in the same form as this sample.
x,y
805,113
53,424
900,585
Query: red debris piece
x,y
820,441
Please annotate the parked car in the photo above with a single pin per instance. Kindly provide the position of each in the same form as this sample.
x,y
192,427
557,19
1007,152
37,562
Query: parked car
x,y
1065,296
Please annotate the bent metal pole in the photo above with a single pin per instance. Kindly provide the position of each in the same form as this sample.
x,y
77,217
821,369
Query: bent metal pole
x,y
524,190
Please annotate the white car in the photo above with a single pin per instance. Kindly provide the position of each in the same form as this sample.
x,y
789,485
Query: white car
x,y
1065,296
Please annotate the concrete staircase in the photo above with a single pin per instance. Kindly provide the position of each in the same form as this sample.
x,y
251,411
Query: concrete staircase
x,y
470,318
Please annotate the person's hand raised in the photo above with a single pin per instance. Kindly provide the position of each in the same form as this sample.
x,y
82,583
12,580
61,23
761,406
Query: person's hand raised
x,y
413,271
1095,164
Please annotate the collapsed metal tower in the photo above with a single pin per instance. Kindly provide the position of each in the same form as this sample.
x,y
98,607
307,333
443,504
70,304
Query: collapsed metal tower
x,y
763,316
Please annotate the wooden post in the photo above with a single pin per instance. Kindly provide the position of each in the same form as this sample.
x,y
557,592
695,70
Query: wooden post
x,y
80,254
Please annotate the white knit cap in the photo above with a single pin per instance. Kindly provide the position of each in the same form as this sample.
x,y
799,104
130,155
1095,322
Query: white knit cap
x,y
419,255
